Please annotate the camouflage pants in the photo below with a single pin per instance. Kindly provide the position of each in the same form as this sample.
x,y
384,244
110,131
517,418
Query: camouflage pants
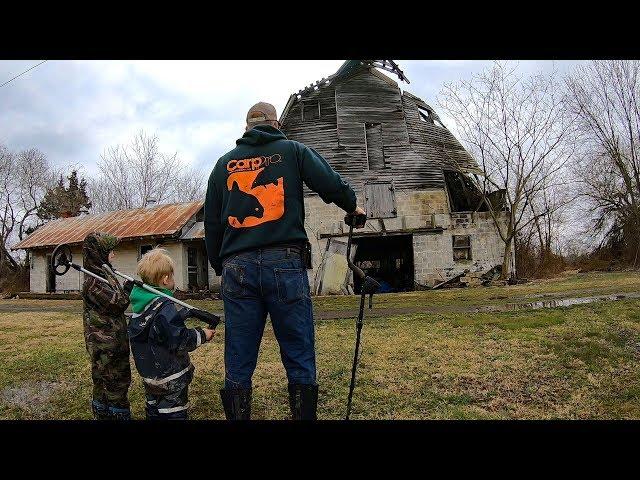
x,y
108,348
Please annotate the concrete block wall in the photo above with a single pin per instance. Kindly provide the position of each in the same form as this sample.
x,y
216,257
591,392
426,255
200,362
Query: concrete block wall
x,y
72,280
433,252
178,253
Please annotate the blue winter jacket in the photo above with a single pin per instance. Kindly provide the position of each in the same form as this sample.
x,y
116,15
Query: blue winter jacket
x,y
160,342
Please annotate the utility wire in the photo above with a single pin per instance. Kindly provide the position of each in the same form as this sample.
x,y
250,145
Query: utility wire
x,y
9,81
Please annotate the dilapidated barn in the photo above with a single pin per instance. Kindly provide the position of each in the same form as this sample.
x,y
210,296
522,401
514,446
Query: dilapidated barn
x,y
428,222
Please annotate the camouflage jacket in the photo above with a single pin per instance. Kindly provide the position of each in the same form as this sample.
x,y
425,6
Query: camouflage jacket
x,y
105,299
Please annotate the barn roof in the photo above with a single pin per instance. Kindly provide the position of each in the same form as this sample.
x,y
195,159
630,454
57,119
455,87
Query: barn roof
x,y
418,147
346,69
159,221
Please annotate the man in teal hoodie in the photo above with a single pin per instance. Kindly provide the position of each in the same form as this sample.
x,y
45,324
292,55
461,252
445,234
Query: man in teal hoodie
x,y
255,237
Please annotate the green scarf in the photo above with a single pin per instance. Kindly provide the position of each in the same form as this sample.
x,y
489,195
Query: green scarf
x,y
140,297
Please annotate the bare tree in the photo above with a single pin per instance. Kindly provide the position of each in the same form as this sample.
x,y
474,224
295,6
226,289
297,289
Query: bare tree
x,y
604,95
24,180
7,211
132,175
517,128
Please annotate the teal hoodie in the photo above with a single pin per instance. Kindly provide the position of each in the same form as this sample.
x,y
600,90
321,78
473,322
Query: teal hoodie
x,y
255,193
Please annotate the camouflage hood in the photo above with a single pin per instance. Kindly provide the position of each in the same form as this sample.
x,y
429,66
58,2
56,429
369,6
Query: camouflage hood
x,y
95,251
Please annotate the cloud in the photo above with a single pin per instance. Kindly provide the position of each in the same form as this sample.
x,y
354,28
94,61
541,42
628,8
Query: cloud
x,y
73,110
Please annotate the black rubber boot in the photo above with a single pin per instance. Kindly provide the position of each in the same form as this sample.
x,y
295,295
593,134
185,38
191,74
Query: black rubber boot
x,y
100,411
303,400
236,403
119,413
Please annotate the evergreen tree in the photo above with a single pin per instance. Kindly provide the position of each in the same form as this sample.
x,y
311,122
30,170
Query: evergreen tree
x,y
62,202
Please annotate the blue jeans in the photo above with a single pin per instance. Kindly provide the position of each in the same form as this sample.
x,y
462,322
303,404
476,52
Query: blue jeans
x,y
260,282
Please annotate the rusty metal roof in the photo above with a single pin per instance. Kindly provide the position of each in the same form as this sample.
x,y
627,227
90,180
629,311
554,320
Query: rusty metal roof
x,y
162,220
195,232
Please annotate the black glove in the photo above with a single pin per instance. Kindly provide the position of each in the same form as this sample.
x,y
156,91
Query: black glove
x,y
210,318
127,287
357,220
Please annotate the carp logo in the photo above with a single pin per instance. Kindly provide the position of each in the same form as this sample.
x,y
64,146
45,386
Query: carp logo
x,y
254,203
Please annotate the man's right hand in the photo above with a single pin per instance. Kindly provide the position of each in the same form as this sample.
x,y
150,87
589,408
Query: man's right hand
x,y
208,333
357,218
358,211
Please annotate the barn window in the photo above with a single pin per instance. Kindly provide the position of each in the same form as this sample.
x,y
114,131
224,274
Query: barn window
x,y
461,247
375,151
425,115
310,110
380,199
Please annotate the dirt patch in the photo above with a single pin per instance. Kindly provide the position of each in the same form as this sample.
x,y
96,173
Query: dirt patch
x,y
30,396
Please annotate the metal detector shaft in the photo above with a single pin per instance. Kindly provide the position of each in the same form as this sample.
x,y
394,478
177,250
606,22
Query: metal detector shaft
x,y
87,272
153,290
368,286
355,354
61,261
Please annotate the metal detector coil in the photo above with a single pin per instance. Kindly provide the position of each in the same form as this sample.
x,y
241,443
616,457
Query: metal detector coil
x,y
61,259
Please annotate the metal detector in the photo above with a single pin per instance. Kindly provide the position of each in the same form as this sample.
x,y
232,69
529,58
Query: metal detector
x,y
61,261
369,287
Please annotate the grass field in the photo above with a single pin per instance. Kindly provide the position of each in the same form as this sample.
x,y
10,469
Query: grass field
x,y
441,363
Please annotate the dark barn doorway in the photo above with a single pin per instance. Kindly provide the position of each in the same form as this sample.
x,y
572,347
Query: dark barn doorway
x,y
197,274
388,259
51,276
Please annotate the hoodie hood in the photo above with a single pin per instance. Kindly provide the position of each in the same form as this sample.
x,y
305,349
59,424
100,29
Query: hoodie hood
x,y
95,251
140,297
260,135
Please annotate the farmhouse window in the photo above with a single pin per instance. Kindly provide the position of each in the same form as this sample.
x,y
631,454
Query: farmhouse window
x,y
375,150
461,247
144,249
310,110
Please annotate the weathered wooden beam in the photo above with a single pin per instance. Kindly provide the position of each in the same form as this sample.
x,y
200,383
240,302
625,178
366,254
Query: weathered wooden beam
x,y
408,231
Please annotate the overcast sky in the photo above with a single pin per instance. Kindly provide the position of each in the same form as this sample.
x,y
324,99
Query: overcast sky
x,y
73,110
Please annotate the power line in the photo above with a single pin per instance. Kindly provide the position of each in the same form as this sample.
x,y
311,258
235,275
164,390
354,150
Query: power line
x,y
9,81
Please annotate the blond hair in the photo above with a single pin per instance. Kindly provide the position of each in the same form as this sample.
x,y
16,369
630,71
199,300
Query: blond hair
x,y
154,265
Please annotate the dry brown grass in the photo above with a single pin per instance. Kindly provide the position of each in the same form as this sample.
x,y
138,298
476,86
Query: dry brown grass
x,y
577,362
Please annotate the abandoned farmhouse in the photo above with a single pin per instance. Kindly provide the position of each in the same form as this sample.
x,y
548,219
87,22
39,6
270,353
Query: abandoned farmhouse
x,y
178,228
427,220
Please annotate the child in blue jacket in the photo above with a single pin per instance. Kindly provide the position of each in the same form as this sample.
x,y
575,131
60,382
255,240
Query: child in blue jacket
x,y
160,341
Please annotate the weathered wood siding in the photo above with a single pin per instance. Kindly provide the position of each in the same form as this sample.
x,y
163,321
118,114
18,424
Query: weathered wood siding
x,y
433,142
380,200
375,150
414,151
